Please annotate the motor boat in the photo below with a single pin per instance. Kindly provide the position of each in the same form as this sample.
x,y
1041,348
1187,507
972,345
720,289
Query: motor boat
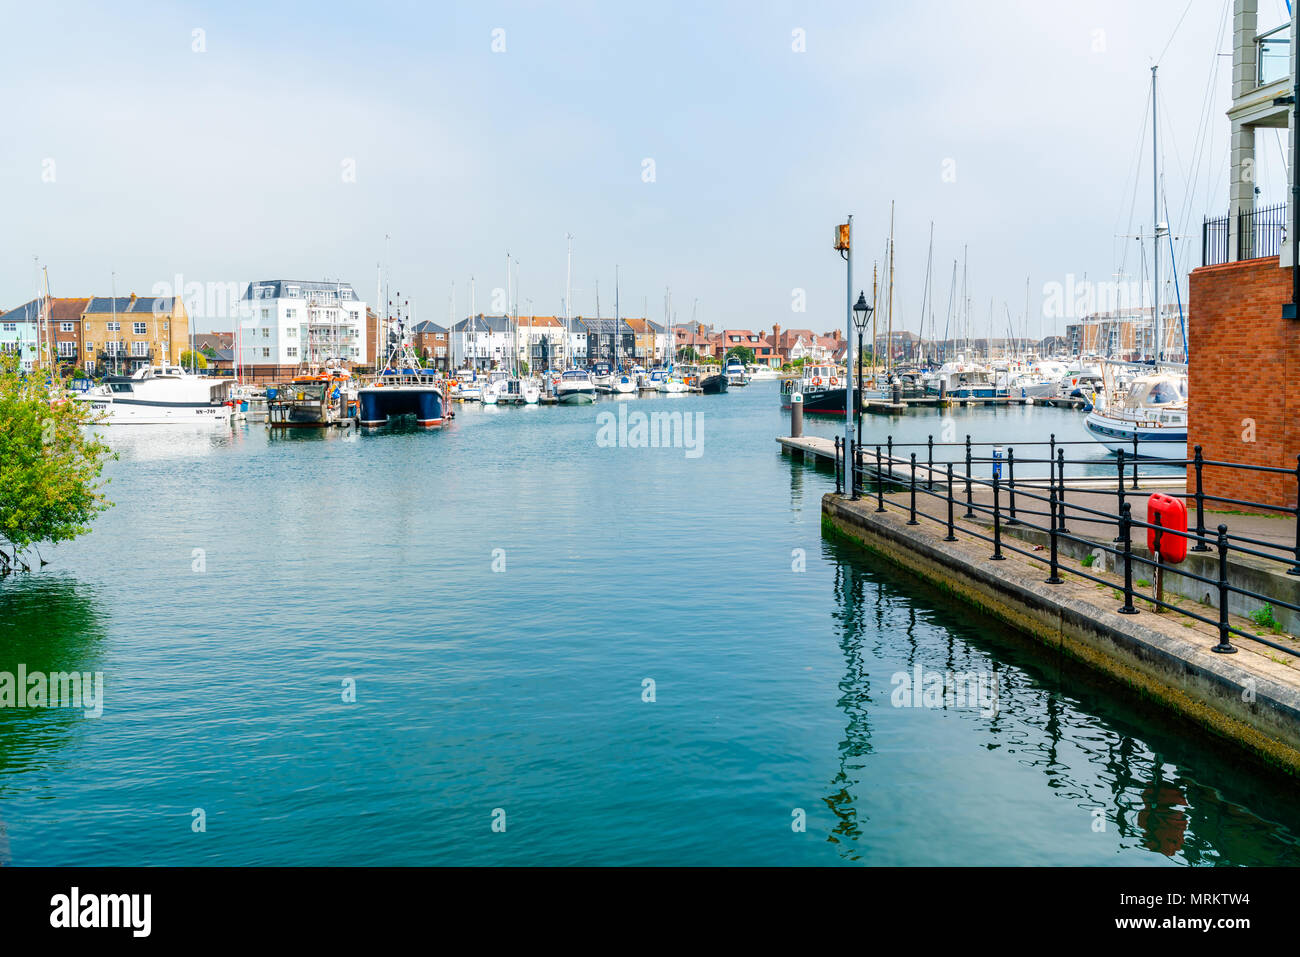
x,y
575,387
822,387
735,372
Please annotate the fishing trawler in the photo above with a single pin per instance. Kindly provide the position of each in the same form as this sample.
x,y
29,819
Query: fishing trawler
x,y
404,390
158,395
313,400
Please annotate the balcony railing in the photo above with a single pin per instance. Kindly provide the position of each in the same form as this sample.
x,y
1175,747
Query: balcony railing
x,y
1259,233
1273,55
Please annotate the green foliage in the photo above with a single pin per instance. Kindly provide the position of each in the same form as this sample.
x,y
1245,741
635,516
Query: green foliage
x,y
49,468
1142,583
1264,618
1087,560
743,353
194,360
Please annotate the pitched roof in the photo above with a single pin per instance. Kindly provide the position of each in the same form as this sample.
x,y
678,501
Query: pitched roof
x,y
279,289
482,323
64,309
425,327
100,305
27,312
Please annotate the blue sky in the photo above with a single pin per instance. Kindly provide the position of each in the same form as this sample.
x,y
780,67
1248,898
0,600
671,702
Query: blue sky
x,y
228,164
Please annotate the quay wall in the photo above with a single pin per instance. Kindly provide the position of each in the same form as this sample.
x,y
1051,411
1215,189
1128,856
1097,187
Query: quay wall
x,y
1255,708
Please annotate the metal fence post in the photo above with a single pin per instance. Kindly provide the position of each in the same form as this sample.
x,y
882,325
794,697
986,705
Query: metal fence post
x,y
839,489
1224,647
1011,486
997,521
911,520
951,537
852,460
929,463
1200,546
970,510
1135,459
1119,464
880,483
1126,531
1054,578
1060,458
1295,569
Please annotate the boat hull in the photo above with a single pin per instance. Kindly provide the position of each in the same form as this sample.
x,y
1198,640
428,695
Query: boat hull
x,y
115,411
381,404
1153,443
713,384
826,401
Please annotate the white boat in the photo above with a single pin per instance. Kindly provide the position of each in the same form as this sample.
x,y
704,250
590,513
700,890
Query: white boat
x,y
468,386
669,384
158,395
763,374
602,377
735,372
624,384
531,390
575,387
653,379
1153,408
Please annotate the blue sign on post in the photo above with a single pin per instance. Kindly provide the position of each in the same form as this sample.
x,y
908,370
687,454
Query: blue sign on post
x,y
997,462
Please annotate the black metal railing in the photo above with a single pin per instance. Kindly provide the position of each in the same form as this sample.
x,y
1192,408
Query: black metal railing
x,y
1044,503
1259,233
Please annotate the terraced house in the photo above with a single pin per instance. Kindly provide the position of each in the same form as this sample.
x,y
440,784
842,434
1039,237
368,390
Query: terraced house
x,y
122,334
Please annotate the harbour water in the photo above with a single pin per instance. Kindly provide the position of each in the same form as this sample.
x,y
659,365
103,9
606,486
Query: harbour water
x,y
500,592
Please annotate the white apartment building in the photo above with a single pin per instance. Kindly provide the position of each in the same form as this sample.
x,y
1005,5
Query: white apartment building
x,y
286,325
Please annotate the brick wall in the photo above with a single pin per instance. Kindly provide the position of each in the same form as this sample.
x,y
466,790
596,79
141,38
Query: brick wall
x,y
1244,356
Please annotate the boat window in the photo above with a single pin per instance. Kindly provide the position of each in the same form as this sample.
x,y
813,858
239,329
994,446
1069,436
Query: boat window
x,y
1162,393
120,386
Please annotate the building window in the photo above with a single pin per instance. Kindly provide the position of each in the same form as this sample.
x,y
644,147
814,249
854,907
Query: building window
x,y
67,349
292,331
11,327
266,313
289,313
291,352
139,347
66,327
266,333
114,327
266,353
90,348
138,328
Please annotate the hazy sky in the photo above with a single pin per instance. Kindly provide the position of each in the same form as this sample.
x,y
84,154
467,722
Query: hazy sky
x,y
133,144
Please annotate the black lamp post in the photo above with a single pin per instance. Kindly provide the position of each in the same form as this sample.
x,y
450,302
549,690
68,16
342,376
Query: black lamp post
x,y
861,316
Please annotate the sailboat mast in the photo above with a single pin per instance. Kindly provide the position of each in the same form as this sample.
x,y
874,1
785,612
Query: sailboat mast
x,y
616,319
568,311
1155,222
889,336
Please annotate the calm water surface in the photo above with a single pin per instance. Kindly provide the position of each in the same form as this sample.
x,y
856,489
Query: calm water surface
x,y
329,558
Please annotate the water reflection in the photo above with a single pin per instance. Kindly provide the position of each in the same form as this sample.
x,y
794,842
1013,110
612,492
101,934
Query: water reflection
x,y
855,702
1135,774
48,624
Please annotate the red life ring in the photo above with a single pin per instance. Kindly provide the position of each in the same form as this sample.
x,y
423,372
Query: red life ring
x,y
817,381
834,381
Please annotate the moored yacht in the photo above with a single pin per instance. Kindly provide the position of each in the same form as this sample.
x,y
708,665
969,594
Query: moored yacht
x,y
575,387
822,388
1153,409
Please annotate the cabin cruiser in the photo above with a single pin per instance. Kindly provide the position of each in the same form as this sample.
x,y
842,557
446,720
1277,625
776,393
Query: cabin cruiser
x,y
575,387
157,395
735,372
652,380
962,380
1153,408
501,388
602,377
822,388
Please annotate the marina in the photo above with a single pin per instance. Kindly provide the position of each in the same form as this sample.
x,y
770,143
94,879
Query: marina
x,y
602,438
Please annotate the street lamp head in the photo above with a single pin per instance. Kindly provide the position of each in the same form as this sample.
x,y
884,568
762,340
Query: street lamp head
x,y
861,311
